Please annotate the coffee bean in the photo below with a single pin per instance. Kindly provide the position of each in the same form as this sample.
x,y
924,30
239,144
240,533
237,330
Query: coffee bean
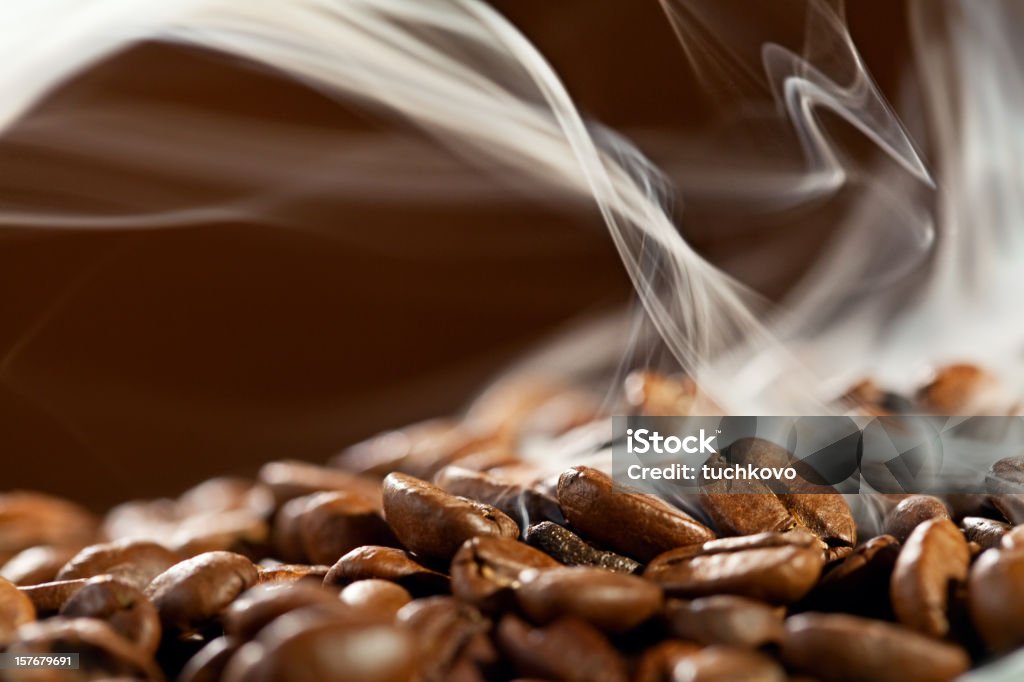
x,y
386,563
613,602
658,395
996,598
841,647
290,479
1005,480
16,609
240,531
209,663
568,548
378,598
657,663
911,512
49,597
136,562
444,627
644,525
720,663
986,532
124,608
725,619
30,519
36,564
568,649
334,523
521,500
431,523
934,558
486,570
258,606
957,389
224,494
152,520
771,567
1014,539
285,538
289,573
197,589
860,583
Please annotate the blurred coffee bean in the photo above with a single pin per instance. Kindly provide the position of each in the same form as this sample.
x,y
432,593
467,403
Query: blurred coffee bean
x,y
911,512
1005,480
289,573
431,523
933,559
658,395
860,583
444,627
285,538
876,401
521,406
386,563
334,523
290,479
986,532
519,499
657,663
613,602
568,548
124,608
197,589
725,619
1014,538
486,570
136,562
29,519
152,520
996,598
36,564
959,389
567,650
723,663
258,606
227,493
48,598
644,526
241,531
16,609
848,648
209,663
377,598
779,568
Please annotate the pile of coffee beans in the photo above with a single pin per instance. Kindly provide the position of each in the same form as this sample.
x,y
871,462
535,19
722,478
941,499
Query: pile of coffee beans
x,y
437,553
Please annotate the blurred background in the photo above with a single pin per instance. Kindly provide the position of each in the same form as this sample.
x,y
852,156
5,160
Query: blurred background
x,y
136,362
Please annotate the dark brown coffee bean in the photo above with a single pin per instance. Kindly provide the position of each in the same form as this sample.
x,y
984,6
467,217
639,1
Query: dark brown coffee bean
x,y
334,523
227,493
258,606
613,602
290,479
725,619
996,598
644,525
934,559
912,511
379,598
986,532
567,650
657,663
285,538
860,583
103,654
209,663
124,608
431,523
16,609
1005,480
240,531
386,563
842,647
289,573
36,564
49,597
136,562
444,628
520,499
485,570
30,519
570,549
197,589
723,663
770,566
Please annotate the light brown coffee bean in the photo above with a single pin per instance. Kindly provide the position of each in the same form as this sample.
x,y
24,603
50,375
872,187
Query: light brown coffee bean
x,y
848,648
209,663
722,663
431,523
378,598
660,395
1014,539
485,570
522,500
16,609
644,525
240,530
152,520
289,573
570,549
29,519
996,598
657,662
227,493
934,559
134,561
958,389
49,597
613,602
725,619
258,606
334,523
124,608
36,564
770,566
444,628
386,563
197,589
986,532
568,649
290,479
912,511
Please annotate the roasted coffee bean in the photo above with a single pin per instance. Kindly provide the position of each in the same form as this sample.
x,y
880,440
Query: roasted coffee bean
x,y
725,619
521,500
152,520
1005,480
444,628
209,664
36,564
16,609
486,570
1014,539
613,602
911,512
124,608
874,400
334,523
197,589
240,531
386,563
567,650
521,406
380,598
996,598
289,573
986,532
934,558
136,562
49,597
285,538
258,606
860,583
644,525
722,663
30,519
226,493
841,647
290,479
570,549
658,395
657,663
779,568
431,523
958,389
103,654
